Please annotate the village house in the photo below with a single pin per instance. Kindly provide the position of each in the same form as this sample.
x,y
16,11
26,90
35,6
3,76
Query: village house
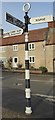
x,y
41,48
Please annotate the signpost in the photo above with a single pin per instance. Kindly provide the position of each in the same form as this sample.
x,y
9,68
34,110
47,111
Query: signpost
x,y
18,23
14,21
28,110
41,19
13,33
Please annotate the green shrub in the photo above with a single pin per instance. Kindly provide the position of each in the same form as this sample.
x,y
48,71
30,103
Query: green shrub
x,y
32,67
19,65
43,69
9,62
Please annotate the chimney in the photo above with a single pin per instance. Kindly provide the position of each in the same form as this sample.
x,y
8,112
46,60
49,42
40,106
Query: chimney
x,y
51,24
1,33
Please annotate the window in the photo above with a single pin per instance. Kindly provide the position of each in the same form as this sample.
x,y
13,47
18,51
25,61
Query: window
x,y
31,46
31,59
15,47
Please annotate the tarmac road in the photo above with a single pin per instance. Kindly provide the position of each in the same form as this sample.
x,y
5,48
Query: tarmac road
x,y
13,95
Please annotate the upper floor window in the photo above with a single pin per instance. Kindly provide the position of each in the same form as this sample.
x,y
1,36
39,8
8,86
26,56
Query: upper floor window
x,y
15,47
31,46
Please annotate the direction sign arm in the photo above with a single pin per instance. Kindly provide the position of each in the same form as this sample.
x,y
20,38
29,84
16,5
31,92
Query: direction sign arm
x,y
14,21
41,19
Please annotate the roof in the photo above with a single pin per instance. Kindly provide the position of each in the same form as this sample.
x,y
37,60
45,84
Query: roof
x,y
34,36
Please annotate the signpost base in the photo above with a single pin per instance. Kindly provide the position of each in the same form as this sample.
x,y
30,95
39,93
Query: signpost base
x,y
28,110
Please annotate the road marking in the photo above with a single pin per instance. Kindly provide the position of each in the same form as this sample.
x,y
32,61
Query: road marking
x,y
8,76
47,97
47,81
1,77
53,100
42,95
38,80
19,84
41,81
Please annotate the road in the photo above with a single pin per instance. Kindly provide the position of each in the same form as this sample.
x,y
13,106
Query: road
x,y
40,84
13,95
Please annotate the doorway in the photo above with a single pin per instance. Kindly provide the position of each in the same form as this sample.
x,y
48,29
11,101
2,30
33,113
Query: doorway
x,y
15,62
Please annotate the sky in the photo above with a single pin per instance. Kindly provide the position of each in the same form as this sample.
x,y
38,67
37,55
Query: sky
x,y
16,9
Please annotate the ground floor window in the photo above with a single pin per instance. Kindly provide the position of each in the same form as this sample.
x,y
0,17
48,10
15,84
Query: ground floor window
x,y
31,59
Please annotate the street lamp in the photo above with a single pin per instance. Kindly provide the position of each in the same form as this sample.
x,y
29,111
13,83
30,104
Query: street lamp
x,y
26,8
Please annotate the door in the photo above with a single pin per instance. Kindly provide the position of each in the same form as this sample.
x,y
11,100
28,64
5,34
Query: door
x,y
15,62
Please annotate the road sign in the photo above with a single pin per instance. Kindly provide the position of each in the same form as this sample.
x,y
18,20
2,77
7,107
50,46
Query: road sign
x,y
14,21
13,33
41,19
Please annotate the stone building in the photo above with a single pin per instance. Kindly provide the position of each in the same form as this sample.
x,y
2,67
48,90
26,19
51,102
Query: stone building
x,y
41,48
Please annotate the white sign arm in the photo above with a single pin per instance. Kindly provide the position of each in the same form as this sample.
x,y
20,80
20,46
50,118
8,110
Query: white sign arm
x,y
41,19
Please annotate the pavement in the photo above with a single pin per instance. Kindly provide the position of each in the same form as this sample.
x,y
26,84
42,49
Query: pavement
x,y
33,71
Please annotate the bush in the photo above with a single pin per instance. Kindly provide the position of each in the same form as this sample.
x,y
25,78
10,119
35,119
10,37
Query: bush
x,y
9,62
43,69
31,67
19,65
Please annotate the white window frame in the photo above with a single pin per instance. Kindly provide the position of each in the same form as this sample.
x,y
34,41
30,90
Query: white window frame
x,y
31,46
15,47
31,59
